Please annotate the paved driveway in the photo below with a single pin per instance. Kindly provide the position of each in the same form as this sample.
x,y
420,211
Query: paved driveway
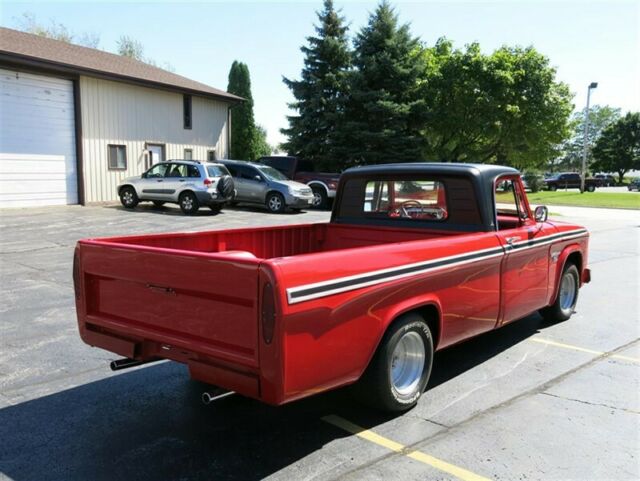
x,y
530,401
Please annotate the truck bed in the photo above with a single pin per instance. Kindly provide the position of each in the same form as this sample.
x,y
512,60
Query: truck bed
x,y
196,297
280,241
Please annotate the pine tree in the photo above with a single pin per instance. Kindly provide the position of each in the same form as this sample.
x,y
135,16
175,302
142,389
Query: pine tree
x,y
386,111
320,94
245,142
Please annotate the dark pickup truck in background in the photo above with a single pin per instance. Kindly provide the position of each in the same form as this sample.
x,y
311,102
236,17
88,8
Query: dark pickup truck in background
x,y
569,180
323,185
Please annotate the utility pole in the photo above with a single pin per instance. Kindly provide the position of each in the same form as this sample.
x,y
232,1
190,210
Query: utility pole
x,y
585,144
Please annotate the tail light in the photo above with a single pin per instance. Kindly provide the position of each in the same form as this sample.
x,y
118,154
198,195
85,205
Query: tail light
x,y
76,273
208,182
268,313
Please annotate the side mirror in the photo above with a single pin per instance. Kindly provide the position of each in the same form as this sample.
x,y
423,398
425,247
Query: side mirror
x,y
258,178
541,213
144,176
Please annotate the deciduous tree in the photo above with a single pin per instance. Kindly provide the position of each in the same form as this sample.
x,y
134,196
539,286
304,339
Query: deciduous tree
x,y
618,147
507,107
600,117
57,31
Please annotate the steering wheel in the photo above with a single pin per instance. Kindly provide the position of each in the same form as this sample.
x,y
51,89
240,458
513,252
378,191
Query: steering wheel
x,y
403,209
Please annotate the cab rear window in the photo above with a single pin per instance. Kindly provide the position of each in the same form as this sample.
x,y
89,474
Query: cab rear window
x,y
405,199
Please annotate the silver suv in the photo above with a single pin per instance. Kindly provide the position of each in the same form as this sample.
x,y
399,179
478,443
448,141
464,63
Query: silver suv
x,y
260,184
187,183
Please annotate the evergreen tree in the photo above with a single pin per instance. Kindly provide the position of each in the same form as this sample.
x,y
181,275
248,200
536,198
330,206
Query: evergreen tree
x,y
386,111
245,137
320,93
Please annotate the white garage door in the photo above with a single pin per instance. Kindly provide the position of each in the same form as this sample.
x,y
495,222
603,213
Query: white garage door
x,y
37,140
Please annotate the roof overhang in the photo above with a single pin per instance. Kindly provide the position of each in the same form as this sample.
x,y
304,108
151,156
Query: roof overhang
x,y
74,71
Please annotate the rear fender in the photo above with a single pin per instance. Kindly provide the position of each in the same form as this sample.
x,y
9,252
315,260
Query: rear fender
x,y
409,305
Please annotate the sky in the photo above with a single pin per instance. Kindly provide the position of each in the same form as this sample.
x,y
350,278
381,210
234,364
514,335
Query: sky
x,y
586,41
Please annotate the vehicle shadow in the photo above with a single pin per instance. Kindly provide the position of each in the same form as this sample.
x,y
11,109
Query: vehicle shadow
x,y
149,424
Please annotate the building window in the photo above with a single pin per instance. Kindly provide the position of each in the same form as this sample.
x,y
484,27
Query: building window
x,y
188,154
186,111
212,156
117,157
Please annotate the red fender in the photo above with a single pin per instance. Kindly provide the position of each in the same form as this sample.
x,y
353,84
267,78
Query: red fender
x,y
562,259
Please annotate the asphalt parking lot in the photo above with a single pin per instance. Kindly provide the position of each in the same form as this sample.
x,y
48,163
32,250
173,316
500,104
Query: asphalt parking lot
x,y
529,401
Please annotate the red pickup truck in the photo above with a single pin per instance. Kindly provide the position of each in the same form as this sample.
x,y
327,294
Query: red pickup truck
x,y
416,258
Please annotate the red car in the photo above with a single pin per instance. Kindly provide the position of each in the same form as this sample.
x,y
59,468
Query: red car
x,y
416,258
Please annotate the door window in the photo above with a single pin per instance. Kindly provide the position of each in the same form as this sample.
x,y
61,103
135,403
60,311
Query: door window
x,y
510,206
177,170
247,173
157,171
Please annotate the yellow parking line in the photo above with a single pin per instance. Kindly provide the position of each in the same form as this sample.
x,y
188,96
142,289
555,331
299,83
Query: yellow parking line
x,y
582,349
399,448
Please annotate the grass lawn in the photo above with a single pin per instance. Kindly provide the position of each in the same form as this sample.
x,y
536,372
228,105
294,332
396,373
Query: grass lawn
x,y
588,199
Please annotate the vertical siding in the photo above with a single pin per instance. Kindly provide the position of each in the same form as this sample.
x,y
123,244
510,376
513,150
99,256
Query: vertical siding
x,y
118,113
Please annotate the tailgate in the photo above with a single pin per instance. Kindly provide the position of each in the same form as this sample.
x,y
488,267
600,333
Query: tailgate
x,y
201,302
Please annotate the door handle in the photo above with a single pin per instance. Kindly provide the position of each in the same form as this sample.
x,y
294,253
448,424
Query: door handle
x,y
181,180
159,180
511,240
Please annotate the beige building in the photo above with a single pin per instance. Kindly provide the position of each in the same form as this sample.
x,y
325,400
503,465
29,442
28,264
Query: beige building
x,y
75,120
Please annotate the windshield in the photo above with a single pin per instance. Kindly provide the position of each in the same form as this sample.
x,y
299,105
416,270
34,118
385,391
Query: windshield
x,y
272,174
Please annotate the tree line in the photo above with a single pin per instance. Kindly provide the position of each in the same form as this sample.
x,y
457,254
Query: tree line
x,y
386,96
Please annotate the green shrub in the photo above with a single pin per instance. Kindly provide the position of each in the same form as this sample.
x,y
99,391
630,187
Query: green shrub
x,y
534,181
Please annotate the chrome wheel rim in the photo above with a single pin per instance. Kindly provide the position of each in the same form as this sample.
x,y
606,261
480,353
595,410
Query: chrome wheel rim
x,y
187,203
127,196
567,292
275,203
407,363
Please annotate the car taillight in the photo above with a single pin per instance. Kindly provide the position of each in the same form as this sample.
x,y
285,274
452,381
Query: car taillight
x,y
76,272
268,313
208,182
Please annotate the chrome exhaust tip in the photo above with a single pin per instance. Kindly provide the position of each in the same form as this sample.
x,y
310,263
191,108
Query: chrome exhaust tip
x,y
208,398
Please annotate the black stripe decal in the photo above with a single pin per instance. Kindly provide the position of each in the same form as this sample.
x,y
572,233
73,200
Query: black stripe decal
x,y
299,294
396,272
546,239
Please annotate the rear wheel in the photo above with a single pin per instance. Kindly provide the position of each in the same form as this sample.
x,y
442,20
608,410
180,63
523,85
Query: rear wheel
x,y
128,197
553,187
591,188
400,368
275,203
189,203
565,303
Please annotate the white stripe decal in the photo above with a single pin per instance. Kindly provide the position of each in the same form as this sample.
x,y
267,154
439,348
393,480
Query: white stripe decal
x,y
349,283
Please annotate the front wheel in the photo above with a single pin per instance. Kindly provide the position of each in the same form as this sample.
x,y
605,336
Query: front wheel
x,y
400,368
128,197
553,187
189,203
591,188
275,203
565,303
